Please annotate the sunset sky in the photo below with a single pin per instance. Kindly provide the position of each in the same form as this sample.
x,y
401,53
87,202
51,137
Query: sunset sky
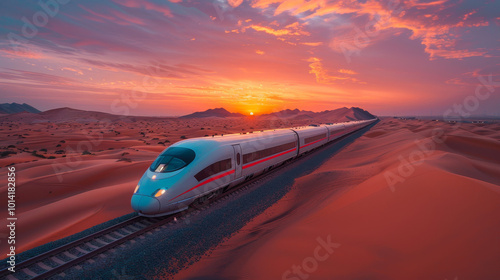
x,y
159,57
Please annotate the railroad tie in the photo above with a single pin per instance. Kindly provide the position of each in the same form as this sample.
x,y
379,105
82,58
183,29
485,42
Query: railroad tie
x,y
101,241
69,255
11,277
57,260
133,228
119,234
110,237
44,266
142,224
91,245
126,231
79,249
27,271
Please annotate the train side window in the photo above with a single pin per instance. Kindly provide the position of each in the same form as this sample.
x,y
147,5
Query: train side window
x,y
213,169
314,138
253,156
238,159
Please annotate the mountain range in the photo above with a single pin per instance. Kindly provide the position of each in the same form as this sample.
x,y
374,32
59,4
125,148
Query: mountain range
x,y
217,112
74,115
12,108
340,114
353,113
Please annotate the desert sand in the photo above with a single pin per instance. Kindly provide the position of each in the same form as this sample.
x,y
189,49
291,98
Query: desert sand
x,y
409,199
76,169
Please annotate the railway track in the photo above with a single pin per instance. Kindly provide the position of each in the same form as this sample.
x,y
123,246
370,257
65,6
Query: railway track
x,y
60,259
57,260
73,253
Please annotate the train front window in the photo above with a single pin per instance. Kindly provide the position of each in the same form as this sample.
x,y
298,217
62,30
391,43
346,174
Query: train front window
x,y
173,159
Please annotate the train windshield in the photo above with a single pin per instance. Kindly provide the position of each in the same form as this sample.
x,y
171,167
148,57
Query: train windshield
x,y
173,159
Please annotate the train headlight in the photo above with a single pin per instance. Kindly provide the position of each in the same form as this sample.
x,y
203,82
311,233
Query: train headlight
x,y
136,189
159,192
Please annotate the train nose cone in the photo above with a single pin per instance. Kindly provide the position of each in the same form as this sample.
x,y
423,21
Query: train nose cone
x,y
145,204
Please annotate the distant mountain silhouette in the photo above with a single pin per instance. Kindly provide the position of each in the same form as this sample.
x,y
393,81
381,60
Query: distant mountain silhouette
x,y
217,112
66,114
346,114
341,114
12,108
69,115
360,114
285,114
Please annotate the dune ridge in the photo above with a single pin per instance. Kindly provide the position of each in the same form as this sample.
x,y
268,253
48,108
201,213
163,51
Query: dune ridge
x,y
440,222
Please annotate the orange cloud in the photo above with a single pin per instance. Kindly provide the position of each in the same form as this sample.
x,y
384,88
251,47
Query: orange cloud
x,y
312,44
466,16
322,75
297,6
72,70
21,53
275,32
234,3
270,30
294,29
347,71
147,5
439,38
423,4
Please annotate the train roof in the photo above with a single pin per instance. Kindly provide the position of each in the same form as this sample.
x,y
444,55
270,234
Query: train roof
x,y
210,142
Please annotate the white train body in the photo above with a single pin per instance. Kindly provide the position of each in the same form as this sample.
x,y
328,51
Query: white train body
x,y
193,168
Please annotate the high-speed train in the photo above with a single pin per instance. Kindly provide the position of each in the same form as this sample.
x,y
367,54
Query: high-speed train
x,y
191,171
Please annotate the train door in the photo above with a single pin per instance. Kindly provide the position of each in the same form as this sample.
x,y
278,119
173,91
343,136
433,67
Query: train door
x,y
328,133
238,158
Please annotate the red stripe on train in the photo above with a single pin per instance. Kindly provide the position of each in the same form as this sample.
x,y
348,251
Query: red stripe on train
x,y
206,182
269,158
337,134
313,142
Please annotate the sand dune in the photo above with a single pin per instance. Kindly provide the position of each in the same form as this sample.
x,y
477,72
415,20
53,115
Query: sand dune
x,y
439,221
73,214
